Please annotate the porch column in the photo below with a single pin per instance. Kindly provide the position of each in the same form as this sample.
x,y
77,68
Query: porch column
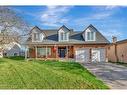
x,y
56,51
36,52
46,51
25,52
67,51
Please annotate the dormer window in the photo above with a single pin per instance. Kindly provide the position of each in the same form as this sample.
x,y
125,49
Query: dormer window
x,y
37,37
90,35
63,36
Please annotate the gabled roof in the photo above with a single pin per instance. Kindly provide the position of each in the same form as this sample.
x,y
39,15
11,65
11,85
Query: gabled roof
x,y
36,27
62,27
11,45
99,36
75,37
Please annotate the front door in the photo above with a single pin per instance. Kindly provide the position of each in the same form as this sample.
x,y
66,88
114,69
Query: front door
x,y
62,52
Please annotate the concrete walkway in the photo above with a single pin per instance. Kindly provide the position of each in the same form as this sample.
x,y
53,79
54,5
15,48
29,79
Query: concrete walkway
x,y
115,76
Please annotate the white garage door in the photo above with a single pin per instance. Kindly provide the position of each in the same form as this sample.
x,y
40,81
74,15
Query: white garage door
x,y
82,55
98,55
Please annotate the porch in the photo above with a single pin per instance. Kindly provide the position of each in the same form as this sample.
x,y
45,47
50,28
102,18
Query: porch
x,y
56,52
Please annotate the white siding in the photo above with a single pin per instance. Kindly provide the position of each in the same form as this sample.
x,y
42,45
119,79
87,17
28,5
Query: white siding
x,y
41,35
65,33
15,49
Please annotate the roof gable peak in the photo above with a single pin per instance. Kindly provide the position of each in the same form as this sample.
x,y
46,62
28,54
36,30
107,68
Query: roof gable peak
x,y
63,26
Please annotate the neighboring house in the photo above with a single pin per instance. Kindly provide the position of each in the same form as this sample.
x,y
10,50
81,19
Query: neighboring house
x,y
7,42
83,46
117,51
13,49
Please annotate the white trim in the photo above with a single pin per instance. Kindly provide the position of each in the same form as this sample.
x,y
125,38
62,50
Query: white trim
x,y
86,35
26,50
67,50
64,33
41,37
35,52
46,51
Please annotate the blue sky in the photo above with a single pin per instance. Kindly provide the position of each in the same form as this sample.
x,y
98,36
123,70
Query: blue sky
x,y
109,20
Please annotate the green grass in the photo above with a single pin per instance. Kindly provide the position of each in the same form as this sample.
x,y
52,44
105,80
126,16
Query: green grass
x,y
21,74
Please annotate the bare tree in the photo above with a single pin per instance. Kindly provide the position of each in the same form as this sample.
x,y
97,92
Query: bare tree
x,y
12,25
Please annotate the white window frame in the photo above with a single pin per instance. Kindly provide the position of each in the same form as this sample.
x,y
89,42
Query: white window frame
x,y
65,34
48,52
41,37
86,35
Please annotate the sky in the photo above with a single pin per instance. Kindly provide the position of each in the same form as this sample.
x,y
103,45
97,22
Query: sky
x,y
109,20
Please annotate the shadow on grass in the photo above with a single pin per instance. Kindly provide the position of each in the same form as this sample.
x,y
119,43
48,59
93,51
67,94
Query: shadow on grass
x,y
16,57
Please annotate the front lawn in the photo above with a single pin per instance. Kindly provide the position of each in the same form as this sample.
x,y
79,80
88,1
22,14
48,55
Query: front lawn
x,y
21,74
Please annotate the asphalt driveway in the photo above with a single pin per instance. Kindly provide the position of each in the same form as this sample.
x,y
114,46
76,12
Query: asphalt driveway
x,y
115,76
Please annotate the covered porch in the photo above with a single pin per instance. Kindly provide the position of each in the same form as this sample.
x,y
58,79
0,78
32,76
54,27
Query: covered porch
x,y
50,52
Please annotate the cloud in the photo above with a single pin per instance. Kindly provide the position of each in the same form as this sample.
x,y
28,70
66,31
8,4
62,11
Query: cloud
x,y
111,7
55,15
99,15
102,15
103,12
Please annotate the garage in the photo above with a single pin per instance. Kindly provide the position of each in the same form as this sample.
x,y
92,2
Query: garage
x,y
82,55
97,55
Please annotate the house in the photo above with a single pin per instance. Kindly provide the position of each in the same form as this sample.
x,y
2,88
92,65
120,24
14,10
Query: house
x,y
13,49
9,44
117,51
63,43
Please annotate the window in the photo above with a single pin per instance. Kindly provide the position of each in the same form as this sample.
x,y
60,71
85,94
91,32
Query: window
x,y
90,36
42,52
64,36
37,37
15,54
